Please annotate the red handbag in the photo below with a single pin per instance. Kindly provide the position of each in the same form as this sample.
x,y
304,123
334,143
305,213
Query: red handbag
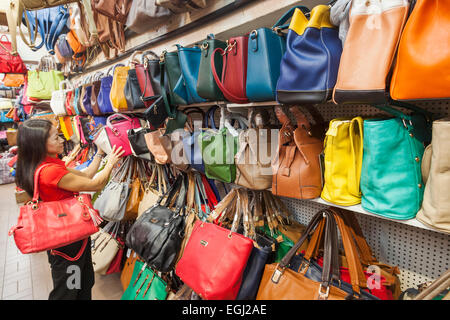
x,y
116,263
10,63
48,225
234,73
145,84
213,261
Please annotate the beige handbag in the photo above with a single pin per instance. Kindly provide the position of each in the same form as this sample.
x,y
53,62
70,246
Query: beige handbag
x,y
435,211
151,195
105,247
180,6
252,171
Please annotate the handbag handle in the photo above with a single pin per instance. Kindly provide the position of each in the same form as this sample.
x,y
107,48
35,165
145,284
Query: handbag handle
x,y
356,146
117,116
144,58
219,82
209,118
286,16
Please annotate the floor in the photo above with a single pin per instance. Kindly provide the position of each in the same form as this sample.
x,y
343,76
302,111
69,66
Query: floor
x,y
27,277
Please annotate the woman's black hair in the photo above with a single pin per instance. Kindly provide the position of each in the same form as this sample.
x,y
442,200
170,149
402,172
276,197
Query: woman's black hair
x,y
32,138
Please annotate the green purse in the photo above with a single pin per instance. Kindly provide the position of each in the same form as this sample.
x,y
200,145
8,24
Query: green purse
x,y
391,180
170,68
219,148
206,85
44,80
145,284
283,246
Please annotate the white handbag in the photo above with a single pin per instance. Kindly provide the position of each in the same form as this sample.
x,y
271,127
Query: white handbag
x,y
58,100
104,247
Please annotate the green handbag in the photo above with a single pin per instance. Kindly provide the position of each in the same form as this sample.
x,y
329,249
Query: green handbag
x,y
145,284
283,246
206,85
391,179
219,148
41,84
170,68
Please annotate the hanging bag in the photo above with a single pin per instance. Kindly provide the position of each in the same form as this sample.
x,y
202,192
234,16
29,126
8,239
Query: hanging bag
x,y
392,155
58,101
157,235
190,63
10,62
117,95
105,247
117,131
343,149
309,67
41,84
96,85
49,225
145,14
104,101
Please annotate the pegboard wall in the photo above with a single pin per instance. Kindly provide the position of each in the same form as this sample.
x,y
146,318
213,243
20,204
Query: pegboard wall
x,y
421,255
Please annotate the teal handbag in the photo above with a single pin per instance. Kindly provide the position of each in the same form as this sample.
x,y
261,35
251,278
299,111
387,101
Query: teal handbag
x,y
266,48
145,284
391,179
189,59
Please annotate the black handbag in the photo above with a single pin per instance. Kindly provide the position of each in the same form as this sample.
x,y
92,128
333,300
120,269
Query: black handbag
x,y
157,234
133,92
137,140
255,267
156,114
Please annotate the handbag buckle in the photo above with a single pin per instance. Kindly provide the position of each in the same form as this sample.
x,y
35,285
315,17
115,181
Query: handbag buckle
x,y
322,295
277,275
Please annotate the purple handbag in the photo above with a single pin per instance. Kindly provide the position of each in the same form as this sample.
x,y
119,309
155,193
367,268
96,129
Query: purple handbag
x,y
104,102
63,46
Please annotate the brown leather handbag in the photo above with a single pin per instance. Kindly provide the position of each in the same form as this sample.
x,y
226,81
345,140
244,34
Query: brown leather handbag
x,y
127,271
94,94
136,194
296,166
114,9
281,283
160,146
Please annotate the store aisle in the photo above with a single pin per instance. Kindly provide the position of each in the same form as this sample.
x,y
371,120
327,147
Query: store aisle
x,y
28,277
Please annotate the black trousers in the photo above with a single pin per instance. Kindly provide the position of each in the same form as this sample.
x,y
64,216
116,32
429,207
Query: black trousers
x,y
72,280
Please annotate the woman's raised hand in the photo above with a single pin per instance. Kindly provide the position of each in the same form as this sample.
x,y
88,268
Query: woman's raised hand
x,y
114,156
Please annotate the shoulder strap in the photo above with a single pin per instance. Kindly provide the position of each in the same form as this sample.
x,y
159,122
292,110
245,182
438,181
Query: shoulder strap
x,y
36,180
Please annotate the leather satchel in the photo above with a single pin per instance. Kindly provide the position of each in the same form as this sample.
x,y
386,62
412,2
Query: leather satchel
x,y
160,146
96,86
157,234
145,14
117,95
128,267
152,194
234,74
296,166
10,63
136,193
180,6
114,9
49,225
189,63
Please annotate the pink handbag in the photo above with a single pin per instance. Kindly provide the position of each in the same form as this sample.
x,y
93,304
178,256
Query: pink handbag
x,y
117,131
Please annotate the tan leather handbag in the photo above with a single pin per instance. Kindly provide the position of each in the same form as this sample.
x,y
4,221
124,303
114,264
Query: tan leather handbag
x,y
127,271
296,166
136,194
159,145
152,194
369,50
105,247
435,210
253,160
114,9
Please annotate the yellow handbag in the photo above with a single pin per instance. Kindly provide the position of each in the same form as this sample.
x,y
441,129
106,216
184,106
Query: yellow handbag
x,y
343,161
117,95
64,129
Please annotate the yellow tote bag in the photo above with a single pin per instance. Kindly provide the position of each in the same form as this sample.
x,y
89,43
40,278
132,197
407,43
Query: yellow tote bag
x,y
117,95
343,161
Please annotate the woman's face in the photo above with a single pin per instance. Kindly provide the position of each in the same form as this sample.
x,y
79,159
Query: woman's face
x,y
55,144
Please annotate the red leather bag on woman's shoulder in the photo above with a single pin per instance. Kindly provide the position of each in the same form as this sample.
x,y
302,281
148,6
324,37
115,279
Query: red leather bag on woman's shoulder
x,y
48,225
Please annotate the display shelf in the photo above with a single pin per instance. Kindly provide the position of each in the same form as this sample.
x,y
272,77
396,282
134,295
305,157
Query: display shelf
x,y
358,208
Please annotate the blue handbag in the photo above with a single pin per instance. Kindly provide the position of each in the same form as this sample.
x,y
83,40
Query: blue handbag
x,y
189,59
49,22
391,178
308,70
266,48
103,100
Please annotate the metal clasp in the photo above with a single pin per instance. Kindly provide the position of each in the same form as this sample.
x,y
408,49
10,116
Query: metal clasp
x,y
322,295
277,275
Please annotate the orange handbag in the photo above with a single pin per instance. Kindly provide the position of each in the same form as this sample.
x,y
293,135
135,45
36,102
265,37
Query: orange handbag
x,y
423,62
13,80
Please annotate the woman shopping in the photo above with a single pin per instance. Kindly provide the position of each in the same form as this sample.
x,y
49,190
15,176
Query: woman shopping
x,y
39,143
